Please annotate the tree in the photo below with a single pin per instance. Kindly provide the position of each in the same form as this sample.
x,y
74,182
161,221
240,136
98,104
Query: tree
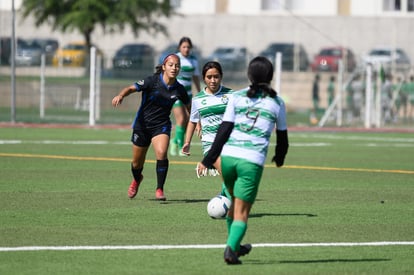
x,y
86,15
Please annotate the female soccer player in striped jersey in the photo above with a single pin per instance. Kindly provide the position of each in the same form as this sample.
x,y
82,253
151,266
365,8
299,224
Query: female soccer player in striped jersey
x,y
243,140
207,108
189,73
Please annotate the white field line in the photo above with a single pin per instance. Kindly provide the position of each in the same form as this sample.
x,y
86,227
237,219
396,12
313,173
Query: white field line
x,y
193,246
391,143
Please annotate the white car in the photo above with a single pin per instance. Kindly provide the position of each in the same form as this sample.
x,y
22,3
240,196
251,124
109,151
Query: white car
x,y
388,56
231,57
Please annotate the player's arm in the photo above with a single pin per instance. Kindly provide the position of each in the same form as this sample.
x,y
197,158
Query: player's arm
x,y
188,136
117,100
282,145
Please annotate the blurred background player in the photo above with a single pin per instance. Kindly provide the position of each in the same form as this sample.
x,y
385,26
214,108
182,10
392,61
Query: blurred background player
x,y
189,73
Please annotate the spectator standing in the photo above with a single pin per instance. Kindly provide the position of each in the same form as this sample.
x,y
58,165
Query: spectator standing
x,y
331,90
315,94
315,100
386,99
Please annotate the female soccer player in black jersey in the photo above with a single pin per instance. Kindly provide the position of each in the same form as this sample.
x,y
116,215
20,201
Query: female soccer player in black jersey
x,y
152,123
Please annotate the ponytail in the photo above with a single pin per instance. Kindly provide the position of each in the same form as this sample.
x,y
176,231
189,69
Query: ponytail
x,y
263,89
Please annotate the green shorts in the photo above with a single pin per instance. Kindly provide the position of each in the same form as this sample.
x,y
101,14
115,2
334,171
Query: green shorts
x,y
241,176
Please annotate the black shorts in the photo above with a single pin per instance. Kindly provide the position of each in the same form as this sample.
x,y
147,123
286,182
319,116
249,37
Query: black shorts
x,y
142,137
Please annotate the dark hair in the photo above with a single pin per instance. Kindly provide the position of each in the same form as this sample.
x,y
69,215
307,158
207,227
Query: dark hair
x,y
158,68
260,74
185,39
212,65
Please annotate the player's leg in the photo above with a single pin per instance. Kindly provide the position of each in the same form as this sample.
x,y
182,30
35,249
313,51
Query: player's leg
x,y
140,144
244,192
160,145
217,166
181,120
178,117
137,165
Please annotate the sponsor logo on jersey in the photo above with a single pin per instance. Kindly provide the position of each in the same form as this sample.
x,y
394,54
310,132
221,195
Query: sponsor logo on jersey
x,y
224,99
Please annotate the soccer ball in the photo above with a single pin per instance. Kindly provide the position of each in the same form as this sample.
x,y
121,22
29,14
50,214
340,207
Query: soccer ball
x,y
218,207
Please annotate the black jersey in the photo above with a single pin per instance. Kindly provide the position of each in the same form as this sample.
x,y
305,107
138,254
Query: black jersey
x,y
157,101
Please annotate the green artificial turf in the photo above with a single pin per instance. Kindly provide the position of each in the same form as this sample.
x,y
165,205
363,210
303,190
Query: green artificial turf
x,y
67,188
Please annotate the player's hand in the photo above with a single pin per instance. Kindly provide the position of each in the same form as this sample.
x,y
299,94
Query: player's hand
x,y
279,161
201,170
186,149
117,100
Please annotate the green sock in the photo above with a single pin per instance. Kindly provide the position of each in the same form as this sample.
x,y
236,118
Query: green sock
x,y
179,135
229,223
237,231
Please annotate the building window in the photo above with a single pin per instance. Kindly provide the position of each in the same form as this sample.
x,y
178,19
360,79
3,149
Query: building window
x,y
399,6
175,4
273,4
410,5
392,5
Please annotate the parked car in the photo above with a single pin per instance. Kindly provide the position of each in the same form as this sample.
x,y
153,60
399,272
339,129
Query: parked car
x,y
134,56
231,57
329,57
5,49
28,53
289,52
173,48
388,56
74,54
49,47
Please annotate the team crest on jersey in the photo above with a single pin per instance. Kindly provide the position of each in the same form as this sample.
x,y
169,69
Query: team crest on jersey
x,y
140,82
224,99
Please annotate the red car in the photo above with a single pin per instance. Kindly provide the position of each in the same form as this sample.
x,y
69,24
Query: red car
x,y
328,59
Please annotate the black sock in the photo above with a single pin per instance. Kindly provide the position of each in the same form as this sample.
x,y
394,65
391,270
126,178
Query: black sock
x,y
136,173
161,170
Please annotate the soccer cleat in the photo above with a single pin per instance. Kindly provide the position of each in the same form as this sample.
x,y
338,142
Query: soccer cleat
x,y
173,148
133,188
244,249
159,195
230,256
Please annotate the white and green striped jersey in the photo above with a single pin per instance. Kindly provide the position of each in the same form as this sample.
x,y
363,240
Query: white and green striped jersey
x,y
209,110
189,68
254,120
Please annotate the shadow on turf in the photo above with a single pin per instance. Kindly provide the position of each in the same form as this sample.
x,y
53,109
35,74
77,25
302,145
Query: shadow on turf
x,y
334,261
183,201
254,262
260,215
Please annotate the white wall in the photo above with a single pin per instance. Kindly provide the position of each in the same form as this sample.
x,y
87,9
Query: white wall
x,y
7,4
366,7
197,7
315,7
246,7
